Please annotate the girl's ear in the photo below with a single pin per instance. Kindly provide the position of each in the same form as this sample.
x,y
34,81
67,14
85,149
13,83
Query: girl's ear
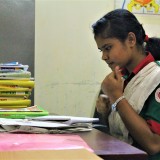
x,y
131,39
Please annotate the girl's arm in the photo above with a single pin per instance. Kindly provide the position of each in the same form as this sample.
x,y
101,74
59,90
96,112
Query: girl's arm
x,y
137,126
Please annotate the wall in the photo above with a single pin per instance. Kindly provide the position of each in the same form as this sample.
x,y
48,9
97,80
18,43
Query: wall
x,y
17,26
68,66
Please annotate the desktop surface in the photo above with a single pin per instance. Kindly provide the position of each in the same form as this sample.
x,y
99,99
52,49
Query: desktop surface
x,y
103,145
110,148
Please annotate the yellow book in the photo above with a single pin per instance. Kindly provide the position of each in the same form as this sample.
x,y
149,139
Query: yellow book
x,y
20,83
34,108
24,102
9,108
11,98
15,89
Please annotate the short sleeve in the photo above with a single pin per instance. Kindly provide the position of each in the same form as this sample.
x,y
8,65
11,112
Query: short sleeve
x,y
151,111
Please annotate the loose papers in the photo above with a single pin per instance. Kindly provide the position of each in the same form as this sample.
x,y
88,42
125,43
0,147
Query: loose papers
x,y
47,124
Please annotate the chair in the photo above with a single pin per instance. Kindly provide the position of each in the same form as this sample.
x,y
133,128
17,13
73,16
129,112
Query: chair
x,y
101,124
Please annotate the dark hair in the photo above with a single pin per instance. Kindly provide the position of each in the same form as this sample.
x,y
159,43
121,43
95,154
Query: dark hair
x,y
118,23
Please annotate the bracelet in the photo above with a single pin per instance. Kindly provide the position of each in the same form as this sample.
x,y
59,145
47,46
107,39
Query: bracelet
x,y
113,106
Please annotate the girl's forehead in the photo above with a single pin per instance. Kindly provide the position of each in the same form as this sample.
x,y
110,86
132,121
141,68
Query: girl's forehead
x,y
106,40
101,42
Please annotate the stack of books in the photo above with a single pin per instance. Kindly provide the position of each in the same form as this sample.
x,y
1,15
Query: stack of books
x,y
16,85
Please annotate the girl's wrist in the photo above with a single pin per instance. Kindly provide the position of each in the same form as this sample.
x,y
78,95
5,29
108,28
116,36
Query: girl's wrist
x,y
115,97
114,105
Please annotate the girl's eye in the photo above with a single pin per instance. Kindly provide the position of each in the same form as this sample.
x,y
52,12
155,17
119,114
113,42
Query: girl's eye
x,y
107,48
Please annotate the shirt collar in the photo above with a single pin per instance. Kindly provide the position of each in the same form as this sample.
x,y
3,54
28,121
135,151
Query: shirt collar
x,y
149,58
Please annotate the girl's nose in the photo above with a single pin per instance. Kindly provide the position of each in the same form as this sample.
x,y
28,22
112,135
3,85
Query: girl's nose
x,y
104,56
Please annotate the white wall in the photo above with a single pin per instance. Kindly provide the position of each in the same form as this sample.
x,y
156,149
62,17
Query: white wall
x,y
68,66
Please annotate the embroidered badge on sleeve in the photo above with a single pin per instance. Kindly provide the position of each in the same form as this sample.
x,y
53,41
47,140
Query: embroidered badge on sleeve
x,y
157,95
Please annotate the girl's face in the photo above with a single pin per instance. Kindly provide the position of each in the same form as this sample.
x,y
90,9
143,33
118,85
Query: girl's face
x,y
114,52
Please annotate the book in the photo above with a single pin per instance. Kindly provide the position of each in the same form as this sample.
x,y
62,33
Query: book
x,y
15,93
12,107
13,87
10,63
11,103
21,109
4,67
11,98
7,88
24,114
16,78
20,83
19,74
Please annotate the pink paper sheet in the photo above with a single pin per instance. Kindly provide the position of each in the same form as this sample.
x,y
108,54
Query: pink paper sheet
x,y
12,142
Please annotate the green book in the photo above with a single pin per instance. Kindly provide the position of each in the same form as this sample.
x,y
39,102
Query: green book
x,y
23,114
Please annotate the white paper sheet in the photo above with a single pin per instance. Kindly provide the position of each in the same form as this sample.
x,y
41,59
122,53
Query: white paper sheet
x,y
66,119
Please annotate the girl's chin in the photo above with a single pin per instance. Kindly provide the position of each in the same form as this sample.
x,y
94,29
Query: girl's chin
x,y
112,66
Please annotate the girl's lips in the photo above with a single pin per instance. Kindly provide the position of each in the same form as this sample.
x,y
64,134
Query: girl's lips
x,y
110,64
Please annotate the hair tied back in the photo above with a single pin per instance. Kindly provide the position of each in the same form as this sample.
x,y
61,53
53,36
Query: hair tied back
x,y
146,39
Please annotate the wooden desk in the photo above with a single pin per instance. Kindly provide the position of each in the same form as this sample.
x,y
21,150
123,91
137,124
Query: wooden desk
x,y
110,148
103,145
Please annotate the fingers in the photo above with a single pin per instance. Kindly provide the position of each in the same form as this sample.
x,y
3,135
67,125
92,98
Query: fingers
x,y
118,74
103,104
103,96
